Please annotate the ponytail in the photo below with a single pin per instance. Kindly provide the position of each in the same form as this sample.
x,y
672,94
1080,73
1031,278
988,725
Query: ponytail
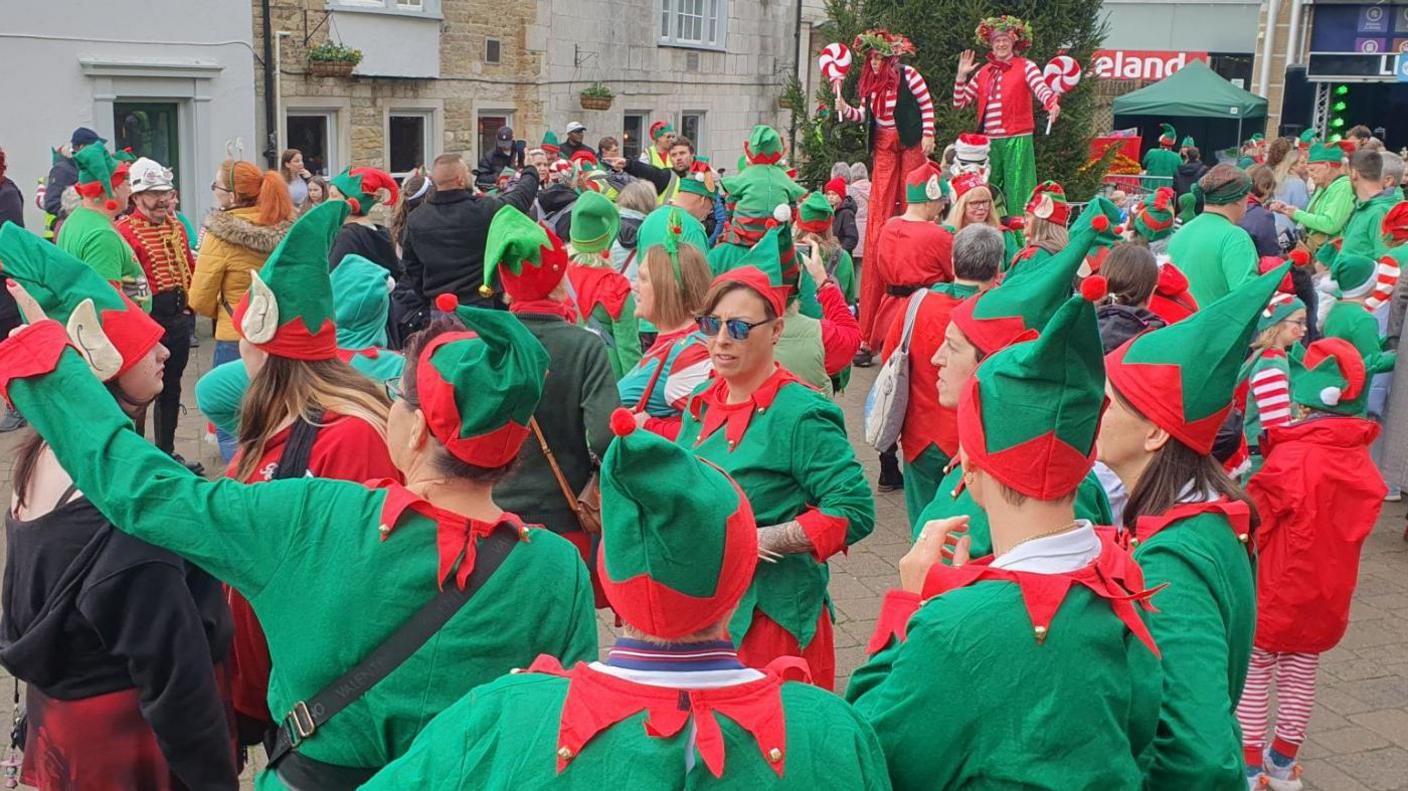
x,y
274,203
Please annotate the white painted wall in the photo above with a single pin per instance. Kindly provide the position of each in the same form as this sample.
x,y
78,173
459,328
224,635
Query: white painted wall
x,y
65,63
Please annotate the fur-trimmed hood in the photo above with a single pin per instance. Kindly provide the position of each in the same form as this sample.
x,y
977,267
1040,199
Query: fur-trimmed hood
x,y
237,227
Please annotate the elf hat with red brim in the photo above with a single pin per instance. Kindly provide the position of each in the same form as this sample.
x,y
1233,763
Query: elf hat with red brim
x,y
364,188
1030,413
1181,377
1167,137
288,310
1030,296
815,214
1049,203
526,256
98,173
679,543
108,329
1153,217
478,389
1330,377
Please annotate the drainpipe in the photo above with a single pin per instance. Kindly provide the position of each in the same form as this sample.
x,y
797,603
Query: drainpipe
x,y
1268,44
271,77
797,71
1293,43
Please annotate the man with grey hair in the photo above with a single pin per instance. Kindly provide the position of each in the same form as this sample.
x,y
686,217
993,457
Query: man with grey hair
x,y
929,437
1392,169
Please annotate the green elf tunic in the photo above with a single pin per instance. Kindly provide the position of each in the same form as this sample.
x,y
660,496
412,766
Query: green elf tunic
x,y
625,728
1161,164
1029,256
787,448
1203,626
953,499
605,306
1327,213
1215,254
1354,323
89,235
1363,234
325,591
1028,676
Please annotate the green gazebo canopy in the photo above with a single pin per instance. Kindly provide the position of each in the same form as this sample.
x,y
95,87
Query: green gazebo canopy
x,y
1194,91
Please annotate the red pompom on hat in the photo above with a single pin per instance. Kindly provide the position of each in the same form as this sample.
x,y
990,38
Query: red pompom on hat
x,y
1299,257
1101,223
1094,288
446,303
622,422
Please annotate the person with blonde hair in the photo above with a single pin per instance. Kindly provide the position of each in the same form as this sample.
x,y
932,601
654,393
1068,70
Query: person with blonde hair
x,y
973,202
633,203
1045,224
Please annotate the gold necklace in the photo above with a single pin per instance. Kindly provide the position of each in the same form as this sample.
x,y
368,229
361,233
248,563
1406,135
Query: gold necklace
x,y
1047,534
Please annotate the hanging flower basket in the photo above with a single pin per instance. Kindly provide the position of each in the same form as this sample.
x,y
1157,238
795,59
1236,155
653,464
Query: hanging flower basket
x,y
596,97
331,59
331,68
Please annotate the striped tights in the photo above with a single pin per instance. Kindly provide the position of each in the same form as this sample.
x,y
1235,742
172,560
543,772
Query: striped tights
x,y
1294,675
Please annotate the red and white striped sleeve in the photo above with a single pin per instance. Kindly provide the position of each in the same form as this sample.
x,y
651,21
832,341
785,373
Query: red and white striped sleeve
x,y
854,114
1385,280
964,93
1040,89
1271,390
920,89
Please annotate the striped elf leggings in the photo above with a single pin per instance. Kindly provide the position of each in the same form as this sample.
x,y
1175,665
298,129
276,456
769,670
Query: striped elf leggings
x,y
1294,676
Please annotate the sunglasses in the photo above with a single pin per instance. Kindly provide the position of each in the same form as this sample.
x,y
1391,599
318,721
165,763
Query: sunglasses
x,y
393,388
738,329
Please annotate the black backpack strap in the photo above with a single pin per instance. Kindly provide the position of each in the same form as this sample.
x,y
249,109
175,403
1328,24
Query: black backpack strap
x,y
308,715
293,462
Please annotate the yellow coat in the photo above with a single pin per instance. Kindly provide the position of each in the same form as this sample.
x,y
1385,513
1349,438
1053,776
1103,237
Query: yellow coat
x,y
234,246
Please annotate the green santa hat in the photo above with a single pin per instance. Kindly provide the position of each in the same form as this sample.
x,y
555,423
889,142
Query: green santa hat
x,y
1181,377
478,389
1353,273
526,255
1153,217
111,331
288,309
678,539
1188,142
595,223
363,188
1024,302
1167,137
1330,153
98,173
550,146
815,215
1030,413
1332,377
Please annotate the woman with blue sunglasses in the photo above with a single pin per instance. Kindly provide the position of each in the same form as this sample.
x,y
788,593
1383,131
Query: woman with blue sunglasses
x,y
785,444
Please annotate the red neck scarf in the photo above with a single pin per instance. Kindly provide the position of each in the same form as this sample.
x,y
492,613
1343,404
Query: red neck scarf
x,y
549,307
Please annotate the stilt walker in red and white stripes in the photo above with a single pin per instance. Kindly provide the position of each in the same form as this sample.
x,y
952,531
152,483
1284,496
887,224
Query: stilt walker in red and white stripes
x,y
895,100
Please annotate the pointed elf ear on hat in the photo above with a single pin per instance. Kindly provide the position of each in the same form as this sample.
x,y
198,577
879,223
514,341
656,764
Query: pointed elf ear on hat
x,y
288,310
1181,377
478,389
527,257
364,188
1029,415
1049,203
926,183
104,325
679,543
1028,298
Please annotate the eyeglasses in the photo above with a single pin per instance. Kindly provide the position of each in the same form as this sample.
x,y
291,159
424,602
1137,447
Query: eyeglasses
x,y
214,186
393,388
738,329
1299,323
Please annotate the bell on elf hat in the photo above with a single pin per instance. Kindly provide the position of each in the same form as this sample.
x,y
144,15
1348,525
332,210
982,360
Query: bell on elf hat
x,y
1027,299
288,309
1181,377
527,257
478,389
679,543
595,223
1048,203
99,174
815,214
106,327
1167,136
1030,413
364,188
1153,217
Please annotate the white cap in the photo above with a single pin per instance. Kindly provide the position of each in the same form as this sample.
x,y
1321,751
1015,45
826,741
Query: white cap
x,y
148,175
576,126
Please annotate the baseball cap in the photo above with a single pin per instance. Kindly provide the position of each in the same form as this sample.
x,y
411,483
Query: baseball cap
x,y
505,133
576,126
82,136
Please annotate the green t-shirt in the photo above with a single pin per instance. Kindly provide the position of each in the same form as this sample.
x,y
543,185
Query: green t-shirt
x,y
1215,254
90,236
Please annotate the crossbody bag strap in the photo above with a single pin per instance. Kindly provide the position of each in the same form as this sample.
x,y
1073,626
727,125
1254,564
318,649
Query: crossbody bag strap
x,y
293,462
650,386
909,315
308,715
567,493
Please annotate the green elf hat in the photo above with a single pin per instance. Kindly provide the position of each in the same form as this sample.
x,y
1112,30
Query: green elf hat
x,y
765,270
1030,413
364,188
1330,153
1182,376
111,331
1331,377
98,174
764,146
1167,137
1049,203
478,389
1020,31
815,215
679,543
699,182
1153,217
1188,142
925,184
1306,139
669,227
595,223
1022,305
660,128
550,146
288,309
1354,274
1281,307
527,256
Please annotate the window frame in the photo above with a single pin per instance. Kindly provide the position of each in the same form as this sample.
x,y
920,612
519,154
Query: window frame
x,y
429,134
499,43
713,15
639,141
479,114
701,128
332,143
426,9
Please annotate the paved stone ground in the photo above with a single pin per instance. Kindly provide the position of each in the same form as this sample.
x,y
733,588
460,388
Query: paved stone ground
x,y
1359,729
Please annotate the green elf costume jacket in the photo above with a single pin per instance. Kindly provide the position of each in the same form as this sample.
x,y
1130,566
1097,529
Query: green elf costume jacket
x,y
302,550
678,549
89,235
1329,207
1363,234
787,448
1033,669
1161,163
602,295
1181,377
1215,253
761,192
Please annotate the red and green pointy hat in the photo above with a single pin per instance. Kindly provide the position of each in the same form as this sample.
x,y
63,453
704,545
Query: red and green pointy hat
x,y
925,184
1048,202
288,309
1030,413
1153,217
763,146
1167,135
364,188
479,388
762,268
550,145
1181,377
1331,153
98,173
1331,377
111,331
678,539
815,214
1030,296
528,258
660,128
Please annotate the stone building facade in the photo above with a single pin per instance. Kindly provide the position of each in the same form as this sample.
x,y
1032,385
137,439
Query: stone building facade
x,y
442,75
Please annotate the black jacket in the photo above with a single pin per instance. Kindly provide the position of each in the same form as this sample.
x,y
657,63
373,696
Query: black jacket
x,y
11,210
491,165
568,148
555,199
372,242
658,177
1187,175
443,251
844,224
1260,224
1119,323
89,610
62,175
